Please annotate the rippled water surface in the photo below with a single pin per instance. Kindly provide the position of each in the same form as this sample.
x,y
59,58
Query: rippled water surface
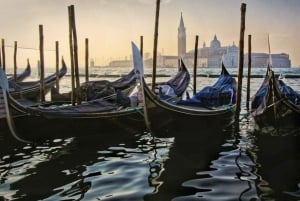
x,y
139,166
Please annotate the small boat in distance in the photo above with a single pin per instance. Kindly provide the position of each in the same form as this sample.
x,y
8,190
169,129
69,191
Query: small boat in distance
x,y
168,119
276,107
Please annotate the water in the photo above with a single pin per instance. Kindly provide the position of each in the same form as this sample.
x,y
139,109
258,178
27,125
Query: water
x,y
142,167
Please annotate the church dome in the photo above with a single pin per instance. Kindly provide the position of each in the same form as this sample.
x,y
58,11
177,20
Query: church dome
x,y
233,48
215,43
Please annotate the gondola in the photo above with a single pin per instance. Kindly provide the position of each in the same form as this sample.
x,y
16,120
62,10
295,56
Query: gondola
x,y
50,121
91,90
275,108
22,76
96,117
31,90
168,119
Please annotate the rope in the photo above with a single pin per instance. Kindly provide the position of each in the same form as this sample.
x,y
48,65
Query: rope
x,y
28,48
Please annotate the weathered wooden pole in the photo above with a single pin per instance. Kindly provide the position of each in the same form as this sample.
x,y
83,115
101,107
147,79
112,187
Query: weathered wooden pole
x,y
3,54
57,64
142,46
249,71
15,60
76,67
241,60
42,77
0,58
86,59
39,68
195,65
155,44
73,94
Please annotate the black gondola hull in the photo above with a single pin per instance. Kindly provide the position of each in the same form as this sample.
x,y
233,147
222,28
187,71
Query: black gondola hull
x,y
167,120
275,113
279,119
40,127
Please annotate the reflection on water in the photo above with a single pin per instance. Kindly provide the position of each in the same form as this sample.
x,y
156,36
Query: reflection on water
x,y
279,166
140,167
236,166
185,160
231,176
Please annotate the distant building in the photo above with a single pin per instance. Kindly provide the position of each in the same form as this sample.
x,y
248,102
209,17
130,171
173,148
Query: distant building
x,y
215,54
92,63
120,63
212,56
262,59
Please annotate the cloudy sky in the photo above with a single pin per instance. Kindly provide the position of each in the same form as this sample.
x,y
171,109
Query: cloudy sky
x,y
110,26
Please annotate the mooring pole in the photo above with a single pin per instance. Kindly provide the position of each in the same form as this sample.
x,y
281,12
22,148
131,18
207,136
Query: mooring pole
x,y
3,54
76,66
249,72
142,46
15,60
195,65
57,64
73,94
0,58
155,44
42,76
241,60
86,59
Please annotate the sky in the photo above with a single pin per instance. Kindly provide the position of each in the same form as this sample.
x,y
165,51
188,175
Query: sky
x,y
111,25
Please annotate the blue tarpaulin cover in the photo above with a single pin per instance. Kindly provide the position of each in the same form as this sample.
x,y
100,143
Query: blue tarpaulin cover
x,y
288,92
223,92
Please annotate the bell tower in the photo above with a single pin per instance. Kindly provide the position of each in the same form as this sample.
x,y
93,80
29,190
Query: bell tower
x,y
181,39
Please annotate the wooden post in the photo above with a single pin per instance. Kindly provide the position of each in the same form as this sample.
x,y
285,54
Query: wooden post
x,y
155,44
241,60
42,87
39,68
57,64
0,58
249,71
3,54
73,95
86,59
15,60
142,46
76,67
195,65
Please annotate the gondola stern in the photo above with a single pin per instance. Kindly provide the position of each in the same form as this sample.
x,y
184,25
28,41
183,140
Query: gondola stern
x,y
139,70
63,70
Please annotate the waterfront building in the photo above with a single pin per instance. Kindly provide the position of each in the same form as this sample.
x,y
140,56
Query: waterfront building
x,y
211,56
262,59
